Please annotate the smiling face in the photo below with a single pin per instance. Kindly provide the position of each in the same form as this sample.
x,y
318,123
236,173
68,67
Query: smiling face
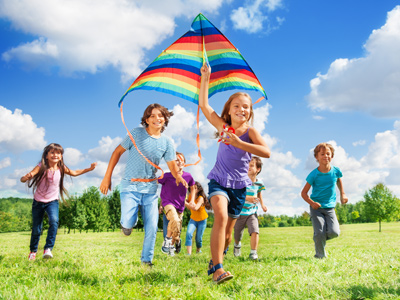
x,y
54,156
156,120
240,109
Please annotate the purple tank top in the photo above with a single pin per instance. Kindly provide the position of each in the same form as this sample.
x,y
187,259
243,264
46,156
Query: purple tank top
x,y
232,165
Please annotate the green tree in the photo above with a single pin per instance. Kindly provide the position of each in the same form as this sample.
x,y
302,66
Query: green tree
x,y
380,204
114,209
355,215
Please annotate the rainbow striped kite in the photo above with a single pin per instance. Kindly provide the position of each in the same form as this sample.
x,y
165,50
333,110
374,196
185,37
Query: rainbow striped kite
x,y
176,70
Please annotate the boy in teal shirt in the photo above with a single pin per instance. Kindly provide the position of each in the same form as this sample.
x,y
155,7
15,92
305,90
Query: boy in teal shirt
x,y
323,181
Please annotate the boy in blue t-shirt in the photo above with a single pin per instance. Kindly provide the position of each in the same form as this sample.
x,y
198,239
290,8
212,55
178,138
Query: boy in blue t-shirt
x,y
323,197
248,215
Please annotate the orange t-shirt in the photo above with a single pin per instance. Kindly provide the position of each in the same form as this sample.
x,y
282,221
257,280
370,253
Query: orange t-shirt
x,y
200,214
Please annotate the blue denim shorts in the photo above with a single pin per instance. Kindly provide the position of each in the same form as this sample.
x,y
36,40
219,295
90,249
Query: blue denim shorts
x,y
236,197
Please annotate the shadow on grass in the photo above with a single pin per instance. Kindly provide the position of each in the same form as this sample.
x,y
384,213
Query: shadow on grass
x,y
359,292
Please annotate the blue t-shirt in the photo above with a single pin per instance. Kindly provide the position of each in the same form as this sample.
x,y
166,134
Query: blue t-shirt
x,y
252,190
324,186
137,167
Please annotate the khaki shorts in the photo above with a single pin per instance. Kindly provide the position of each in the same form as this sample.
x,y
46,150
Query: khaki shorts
x,y
252,225
175,221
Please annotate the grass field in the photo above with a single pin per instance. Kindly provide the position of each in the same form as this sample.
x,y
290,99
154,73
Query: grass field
x,y
362,264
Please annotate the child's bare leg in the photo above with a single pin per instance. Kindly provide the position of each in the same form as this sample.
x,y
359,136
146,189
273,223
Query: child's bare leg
x,y
218,233
189,249
229,228
254,238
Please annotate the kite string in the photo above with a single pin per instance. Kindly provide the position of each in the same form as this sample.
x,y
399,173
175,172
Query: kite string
x,y
197,138
134,143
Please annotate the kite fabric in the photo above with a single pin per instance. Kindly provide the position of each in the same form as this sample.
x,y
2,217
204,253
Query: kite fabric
x,y
176,70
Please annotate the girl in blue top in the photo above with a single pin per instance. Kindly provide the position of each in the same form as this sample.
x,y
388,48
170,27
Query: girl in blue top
x,y
229,178
323,181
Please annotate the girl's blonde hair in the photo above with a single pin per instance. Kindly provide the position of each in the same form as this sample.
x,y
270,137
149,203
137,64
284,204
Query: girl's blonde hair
x,y
225,111
44,167
323,146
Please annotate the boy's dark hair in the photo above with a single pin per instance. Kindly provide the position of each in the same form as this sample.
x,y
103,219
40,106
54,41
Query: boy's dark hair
x,y
165,112
259,163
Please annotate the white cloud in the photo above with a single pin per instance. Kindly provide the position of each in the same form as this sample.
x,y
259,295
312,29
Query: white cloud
x,y
88,36
73,157
261,115
370,84
252,16
4,163
18,132
106,147
183,125
359,143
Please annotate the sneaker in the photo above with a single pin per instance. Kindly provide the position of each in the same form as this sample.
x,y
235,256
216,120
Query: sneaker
x,y
178,246
171,251
126,231
237,250
32,256
166,245
253,256
199,251
47,253
147,263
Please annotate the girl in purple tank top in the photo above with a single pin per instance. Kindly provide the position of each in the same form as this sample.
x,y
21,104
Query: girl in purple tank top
x,y
229,177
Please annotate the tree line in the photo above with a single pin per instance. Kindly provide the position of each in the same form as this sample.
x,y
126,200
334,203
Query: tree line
x,y
95,212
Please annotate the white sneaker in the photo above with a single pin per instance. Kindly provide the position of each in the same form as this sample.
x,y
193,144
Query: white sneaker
x,y
47,253
32,256
253,256
166,245
237,250
171,251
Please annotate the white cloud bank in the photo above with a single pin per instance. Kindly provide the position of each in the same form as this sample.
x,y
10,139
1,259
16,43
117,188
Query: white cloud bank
x,y
370,84
87,36
18,132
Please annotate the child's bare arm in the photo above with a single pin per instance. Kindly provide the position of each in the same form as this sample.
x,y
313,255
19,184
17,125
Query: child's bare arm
x,y
343,197
105,185
178,178
32,173
80,172
199,203
205,107
263,206
190,203
304,195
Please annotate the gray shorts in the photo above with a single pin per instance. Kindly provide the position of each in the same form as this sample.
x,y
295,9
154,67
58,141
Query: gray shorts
x,y
252,226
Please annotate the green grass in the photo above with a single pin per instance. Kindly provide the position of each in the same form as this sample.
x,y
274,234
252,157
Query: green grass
x,y
362,264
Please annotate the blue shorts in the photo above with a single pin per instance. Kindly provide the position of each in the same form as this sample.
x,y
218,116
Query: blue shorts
x,y
236,197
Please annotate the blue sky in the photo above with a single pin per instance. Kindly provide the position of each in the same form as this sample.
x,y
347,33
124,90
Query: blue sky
x,y
331,71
